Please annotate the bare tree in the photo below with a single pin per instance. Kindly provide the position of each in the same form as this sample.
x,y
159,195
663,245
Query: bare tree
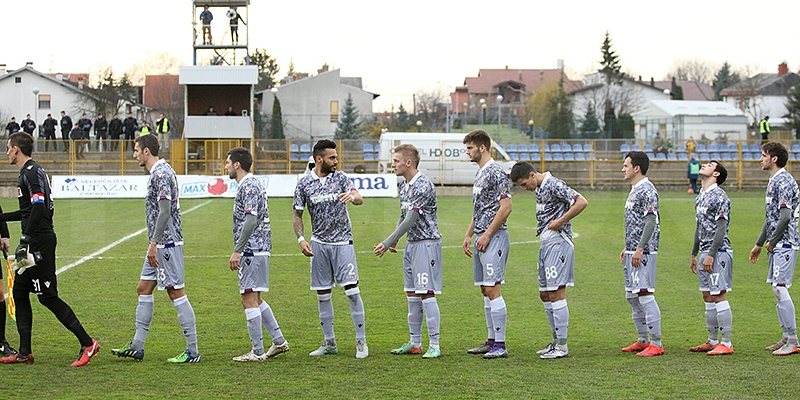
x,y
431,107
746,92
697,70
172,104
154,64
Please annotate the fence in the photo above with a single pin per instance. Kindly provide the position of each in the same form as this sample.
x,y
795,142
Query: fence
x,y
579,162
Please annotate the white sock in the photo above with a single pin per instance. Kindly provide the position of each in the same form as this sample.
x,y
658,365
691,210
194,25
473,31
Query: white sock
x,y
253,316
711,323
638,317
725,318
357,311
432,318
188,323
548,312
653,318
144,316
270,323
415,316
498,306
326,315
561,320
487,311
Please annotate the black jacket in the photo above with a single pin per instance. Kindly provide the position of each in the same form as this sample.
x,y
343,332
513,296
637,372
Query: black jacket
x,y
49,125
66,124
12,127
115,127
28,126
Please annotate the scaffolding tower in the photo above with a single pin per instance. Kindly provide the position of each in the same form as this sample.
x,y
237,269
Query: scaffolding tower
x,y
227,33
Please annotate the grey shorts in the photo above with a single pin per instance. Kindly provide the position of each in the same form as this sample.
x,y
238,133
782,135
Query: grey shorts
x,y
556,265
489,267
422,264
332,264
641,279
254,272
169,273
781,265
720,279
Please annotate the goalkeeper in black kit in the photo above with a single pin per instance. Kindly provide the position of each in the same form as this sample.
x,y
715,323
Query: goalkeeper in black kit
x,y
35,257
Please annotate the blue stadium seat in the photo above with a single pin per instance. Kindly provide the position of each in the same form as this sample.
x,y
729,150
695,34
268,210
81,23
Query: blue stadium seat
x,y
635,147
725,157
546,148
651,156
368,156
523,156
522,148
558,157
569,157
305,148
672,157
535,157
732,148
703,157
625,148
294,148
576,148
368,148
514,156
755,148
683,157
661,157
715,156
580,157
734,156
747,157
590,156
304,156
511,148
796,148
555,148
701,148
295,157
533,148
648,148
548,156
712,148
587,148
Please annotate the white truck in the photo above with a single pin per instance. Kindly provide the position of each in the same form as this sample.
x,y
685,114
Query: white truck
x,y
443,156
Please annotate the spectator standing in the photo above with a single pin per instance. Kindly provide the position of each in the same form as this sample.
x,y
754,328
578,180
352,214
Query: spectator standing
x,y
234,22
130,125
693,173
162,129
49,128
77,134
28,126
691,145
12,127
763,127
145,129
205,18
100,131
114,132
86,125
66,126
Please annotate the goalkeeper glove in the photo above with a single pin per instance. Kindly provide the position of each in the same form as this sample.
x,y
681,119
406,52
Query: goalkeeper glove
x,y
22,250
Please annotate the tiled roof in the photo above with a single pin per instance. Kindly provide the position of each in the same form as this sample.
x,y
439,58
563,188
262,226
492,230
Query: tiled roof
x,y
766,84
532,79
692,90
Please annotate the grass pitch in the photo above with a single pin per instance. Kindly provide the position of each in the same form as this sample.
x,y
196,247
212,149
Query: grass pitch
x,y
101,290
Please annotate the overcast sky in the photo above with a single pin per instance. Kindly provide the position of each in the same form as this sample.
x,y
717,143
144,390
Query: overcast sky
x,y
399,48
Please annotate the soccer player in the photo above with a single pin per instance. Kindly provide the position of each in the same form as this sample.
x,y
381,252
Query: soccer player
x,y
163,265
642,232
780,234
713,214
252,245
39,239
326,192
556,205
491,205
422,260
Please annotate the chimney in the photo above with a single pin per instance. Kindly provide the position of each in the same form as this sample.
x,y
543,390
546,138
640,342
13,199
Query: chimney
x,y
560,63
80,83
640,78
652,82
60,76
2,69
29,64
672,88
321,70
520,75
783,69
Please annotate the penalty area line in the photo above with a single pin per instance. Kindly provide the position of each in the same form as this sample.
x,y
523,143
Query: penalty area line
x,y
115,244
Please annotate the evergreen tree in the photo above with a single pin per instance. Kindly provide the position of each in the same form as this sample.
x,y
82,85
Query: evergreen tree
x,y
677,94
402,123
348,126
793,107
723,79
267,69
625,126
610,66
276,123
590,126
560,125
611,128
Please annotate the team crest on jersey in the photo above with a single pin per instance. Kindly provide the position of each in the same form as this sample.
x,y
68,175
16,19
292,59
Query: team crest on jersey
x,y
433,262
166,256
499,253
248,261
562,258
644,261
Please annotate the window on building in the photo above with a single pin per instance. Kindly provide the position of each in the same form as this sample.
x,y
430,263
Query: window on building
x,y
44,101
18,79
334,111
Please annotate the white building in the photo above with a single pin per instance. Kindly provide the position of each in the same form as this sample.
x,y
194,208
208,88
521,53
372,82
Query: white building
x,y
680,119
28,91
219,87
763,95
311,106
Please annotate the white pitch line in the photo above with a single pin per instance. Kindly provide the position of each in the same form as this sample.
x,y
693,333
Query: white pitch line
x,y
115,244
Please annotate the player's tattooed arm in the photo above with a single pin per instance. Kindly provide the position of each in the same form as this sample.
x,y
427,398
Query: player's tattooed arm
x,y
305,247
